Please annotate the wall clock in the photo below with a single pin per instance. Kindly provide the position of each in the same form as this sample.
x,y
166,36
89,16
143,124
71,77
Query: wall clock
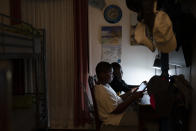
x,y
112,14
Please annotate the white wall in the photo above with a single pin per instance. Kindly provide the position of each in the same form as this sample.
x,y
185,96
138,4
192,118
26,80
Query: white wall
x,y
136,60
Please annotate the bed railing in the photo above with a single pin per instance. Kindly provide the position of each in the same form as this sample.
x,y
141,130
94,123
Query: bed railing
x,y
21,26
21,39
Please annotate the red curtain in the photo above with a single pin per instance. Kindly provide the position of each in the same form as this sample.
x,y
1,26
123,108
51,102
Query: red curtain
x,y
15,11
81,115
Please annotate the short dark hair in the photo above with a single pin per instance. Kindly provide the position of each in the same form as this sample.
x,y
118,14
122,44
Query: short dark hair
x,y
103,67
116,65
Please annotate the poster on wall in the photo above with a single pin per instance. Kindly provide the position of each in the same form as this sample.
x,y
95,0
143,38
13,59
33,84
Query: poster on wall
x,y
111,37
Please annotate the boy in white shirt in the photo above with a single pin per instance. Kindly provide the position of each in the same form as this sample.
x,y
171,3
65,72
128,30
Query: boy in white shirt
x,y
114,109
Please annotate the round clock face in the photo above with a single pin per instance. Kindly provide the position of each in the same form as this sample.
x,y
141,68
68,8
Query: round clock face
x,y
112,14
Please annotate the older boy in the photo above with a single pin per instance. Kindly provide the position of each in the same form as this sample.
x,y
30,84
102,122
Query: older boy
x,y
114,109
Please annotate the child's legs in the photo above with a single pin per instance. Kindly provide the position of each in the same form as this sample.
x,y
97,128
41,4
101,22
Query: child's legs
x,y
130,118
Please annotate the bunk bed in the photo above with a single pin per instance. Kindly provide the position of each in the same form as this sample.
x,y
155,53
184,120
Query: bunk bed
x,y
22,42
19,40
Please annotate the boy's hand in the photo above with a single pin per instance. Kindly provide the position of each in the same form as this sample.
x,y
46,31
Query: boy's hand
x,y
137,95
145,82
134,89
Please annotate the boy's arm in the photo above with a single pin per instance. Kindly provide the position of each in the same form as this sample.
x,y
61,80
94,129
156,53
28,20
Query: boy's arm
x,y
129,100
133,86
126,95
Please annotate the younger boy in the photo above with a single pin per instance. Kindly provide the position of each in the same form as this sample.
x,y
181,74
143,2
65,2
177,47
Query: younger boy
x,y
114,109
118,84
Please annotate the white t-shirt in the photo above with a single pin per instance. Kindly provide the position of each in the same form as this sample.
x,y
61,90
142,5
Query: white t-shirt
x,y
107,101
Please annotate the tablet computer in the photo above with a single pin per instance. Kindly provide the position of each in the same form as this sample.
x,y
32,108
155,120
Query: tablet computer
x,y
142,87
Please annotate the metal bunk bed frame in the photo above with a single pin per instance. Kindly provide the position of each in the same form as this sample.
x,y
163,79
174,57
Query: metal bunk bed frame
x,y
16,41
28,43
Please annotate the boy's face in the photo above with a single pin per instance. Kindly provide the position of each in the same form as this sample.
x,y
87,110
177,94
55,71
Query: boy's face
x,y
107,76
118,73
